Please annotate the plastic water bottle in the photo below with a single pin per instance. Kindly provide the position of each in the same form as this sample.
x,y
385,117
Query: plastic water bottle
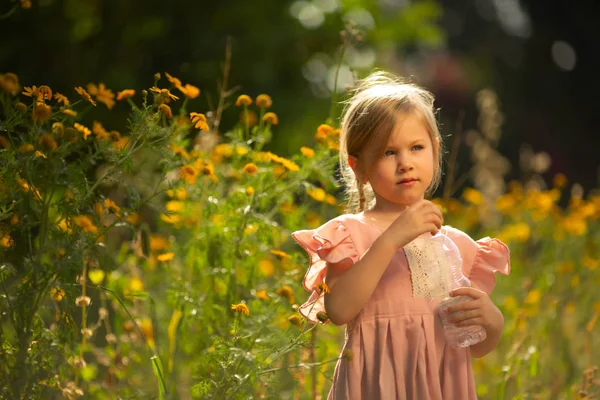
x,y
447,252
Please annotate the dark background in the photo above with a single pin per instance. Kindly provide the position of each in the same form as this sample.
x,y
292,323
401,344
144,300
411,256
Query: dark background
x,y
453,48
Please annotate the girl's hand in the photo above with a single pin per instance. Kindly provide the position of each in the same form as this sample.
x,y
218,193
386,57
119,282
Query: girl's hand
x,y
419,218
478,311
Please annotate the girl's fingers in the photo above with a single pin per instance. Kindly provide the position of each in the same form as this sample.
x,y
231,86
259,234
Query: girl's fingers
x,y
464,316
466,306
467,291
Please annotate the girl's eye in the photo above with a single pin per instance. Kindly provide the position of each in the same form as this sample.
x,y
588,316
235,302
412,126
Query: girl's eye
x,y
417,147
388,153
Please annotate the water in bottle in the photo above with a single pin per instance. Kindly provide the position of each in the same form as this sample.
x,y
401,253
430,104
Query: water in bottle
x,y
450,265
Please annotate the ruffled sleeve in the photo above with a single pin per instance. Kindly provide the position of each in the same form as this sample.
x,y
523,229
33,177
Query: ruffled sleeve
x,y
481,258
331,243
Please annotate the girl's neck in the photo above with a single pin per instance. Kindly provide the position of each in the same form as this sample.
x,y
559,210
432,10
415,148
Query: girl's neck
x,y
381,218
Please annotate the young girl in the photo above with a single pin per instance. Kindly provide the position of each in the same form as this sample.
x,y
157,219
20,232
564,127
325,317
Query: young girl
x,y
390,154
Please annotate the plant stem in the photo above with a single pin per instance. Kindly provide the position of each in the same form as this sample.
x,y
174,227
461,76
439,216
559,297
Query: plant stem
x,y
448,189
335,82
223,89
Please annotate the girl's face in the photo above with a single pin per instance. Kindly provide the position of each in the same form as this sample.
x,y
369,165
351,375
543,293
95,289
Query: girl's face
x,y
401,175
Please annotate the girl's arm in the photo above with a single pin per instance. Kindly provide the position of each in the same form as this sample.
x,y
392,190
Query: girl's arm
x,y
350,289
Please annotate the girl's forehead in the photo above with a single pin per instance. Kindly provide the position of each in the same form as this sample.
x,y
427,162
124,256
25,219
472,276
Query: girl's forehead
x,y
409,129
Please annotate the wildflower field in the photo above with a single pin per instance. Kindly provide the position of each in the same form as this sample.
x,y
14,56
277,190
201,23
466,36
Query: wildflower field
x,y
153,258
155,261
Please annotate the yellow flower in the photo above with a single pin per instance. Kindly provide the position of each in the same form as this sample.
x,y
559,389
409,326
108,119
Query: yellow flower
x,y
165,257
32,91
48,141
189,91
208,169
188,173
158,243
243,100
44,93
267,267
165,110
331,200
280,254
220,151
262,295
271,118
135,284
9,82
295,320
506,203
307,152
574,225
83,129
323,288
5,240
57,293
241,308
26,188
200,121
85,223
175,81
533,297
112,207
264,100
85,95
102,93
41,112
249,190
287,293
25,4
325,130
175,206
40,154
287,164
125,94
473,196
164,95
4,143
317,193
69,112
61,98
333,145
58,128
96,276
99,131
24,148
250,169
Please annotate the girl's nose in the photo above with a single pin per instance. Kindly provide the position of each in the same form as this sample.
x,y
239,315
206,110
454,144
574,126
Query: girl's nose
x,y
403,163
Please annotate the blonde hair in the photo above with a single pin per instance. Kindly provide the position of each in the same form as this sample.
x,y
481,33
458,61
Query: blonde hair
x,y
369,118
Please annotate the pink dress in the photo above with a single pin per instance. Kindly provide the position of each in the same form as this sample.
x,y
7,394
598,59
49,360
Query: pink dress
x,y
397,340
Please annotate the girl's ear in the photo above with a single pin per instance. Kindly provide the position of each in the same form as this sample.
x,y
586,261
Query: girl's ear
x,y
353,163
